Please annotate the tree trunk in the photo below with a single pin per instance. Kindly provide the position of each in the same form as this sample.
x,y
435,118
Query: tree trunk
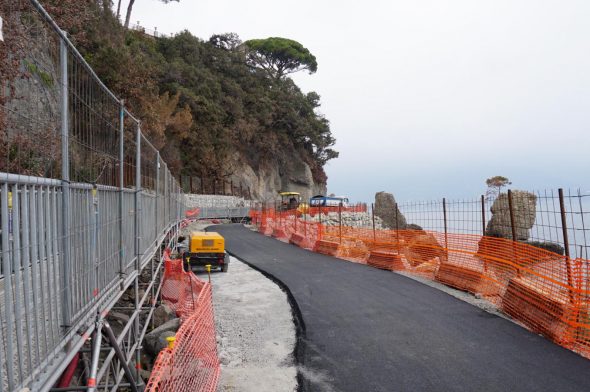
x,y
119,10
128,17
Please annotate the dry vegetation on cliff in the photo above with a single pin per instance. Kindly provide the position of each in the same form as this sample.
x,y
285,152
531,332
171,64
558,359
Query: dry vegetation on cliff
x,y
202,103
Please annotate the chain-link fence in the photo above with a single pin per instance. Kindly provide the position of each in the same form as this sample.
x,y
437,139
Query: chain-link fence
x,y
213,186
556,220
85,203
525,252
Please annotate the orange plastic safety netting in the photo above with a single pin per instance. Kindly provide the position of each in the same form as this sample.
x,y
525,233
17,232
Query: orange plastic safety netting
x,y
192,364
191,214
545,291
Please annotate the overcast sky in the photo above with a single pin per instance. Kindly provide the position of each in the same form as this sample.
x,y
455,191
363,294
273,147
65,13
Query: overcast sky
x,y
428,98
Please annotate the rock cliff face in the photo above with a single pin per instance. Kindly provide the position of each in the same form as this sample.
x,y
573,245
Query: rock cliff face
x,y
30,122
272,177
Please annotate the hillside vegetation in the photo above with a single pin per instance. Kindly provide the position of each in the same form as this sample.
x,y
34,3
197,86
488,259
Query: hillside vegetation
x,y
203,103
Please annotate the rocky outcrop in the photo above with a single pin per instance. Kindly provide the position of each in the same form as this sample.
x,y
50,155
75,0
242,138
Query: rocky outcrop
x,y
524,210
266,180
386,209
30,112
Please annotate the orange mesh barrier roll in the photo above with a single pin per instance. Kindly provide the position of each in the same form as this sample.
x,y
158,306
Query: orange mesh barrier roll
x,y
313,211
192,364
192,213
547,292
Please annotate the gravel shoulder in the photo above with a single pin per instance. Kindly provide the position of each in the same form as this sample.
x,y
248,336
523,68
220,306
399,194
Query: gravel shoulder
x,y
255,331
256,334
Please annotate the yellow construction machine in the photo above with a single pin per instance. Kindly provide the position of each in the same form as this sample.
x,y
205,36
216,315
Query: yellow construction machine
x,y
206,248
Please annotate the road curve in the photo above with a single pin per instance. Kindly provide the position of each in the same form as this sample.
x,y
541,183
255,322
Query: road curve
x,y
371,330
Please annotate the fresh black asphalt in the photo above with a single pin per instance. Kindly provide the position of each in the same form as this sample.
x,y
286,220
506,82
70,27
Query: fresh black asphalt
x,y
371,330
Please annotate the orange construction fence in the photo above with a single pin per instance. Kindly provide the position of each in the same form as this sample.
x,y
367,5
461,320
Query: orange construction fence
x,y
361,207
192,213
192,363
546,292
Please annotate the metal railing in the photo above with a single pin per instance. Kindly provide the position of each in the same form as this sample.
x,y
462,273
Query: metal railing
x,y
556,219
152,33
85,203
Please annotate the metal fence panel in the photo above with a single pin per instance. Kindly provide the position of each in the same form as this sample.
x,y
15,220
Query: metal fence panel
x,y
82,194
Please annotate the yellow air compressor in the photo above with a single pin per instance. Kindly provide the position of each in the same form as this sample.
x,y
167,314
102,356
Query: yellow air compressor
x,y
206,248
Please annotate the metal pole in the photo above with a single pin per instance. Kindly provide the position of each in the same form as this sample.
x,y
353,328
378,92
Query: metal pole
x,y
373,218
121,189
65,177
7,355
445,222
18,280
340,220
122,360
513,227
166,197
158,229
511,210
94,249
396,225
137,228
91,382
320,225
85,388
305,224
157,187
137,248
483,228
566,243
483,215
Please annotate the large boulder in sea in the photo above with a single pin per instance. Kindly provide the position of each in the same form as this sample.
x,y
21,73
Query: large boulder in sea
x,y
386,209
524,206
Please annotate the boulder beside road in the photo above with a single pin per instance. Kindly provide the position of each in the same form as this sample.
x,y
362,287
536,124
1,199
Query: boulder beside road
x,y
155,341
162,315
386,209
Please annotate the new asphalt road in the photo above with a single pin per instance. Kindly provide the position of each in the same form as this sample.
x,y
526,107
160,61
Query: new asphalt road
x,y
366,329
